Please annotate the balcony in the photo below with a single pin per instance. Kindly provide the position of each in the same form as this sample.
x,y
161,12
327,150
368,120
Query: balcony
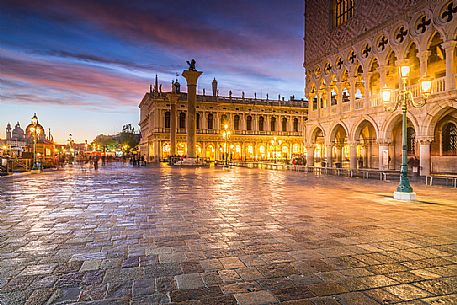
x,y
235,132
359,103
345,107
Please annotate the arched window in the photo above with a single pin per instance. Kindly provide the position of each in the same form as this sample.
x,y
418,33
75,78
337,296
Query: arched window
x,y
224,120
167,119
249,123
315,103
345,95
182,120
198,120
273,124
450,139
236,122
284,124
333,97
261,121
411,140
210,121
295,125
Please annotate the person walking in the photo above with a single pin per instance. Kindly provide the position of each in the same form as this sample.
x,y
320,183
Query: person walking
x,y
96,163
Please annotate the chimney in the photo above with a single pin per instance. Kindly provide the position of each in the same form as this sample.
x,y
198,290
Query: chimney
x,y
214,87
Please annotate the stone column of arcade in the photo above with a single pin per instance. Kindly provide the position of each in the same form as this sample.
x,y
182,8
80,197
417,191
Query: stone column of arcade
x,y
424,157
191,75
353,155
383,154
310,155
329,154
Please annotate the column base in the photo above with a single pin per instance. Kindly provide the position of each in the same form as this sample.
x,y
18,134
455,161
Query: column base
x,y
405,196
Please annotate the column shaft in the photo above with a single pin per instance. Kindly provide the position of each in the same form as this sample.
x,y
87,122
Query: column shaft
x,y
449,47
191,138
353,156
310,155
425,159
173,121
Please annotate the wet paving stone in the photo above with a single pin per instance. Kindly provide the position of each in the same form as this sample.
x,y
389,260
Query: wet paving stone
x,y
161,235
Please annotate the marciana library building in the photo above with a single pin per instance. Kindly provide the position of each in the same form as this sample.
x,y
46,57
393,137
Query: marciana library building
x,y
365,62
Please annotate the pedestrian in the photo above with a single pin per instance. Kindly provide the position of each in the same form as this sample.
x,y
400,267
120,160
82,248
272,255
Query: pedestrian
x,y
96,163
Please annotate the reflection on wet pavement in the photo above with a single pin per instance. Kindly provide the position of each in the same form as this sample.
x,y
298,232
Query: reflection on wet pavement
x,y
161,235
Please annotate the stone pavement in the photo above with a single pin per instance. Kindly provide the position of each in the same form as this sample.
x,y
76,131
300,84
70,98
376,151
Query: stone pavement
x,y
210,236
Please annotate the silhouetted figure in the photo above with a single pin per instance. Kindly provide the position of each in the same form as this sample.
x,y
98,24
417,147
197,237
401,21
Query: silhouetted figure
x,y
192,64
96,163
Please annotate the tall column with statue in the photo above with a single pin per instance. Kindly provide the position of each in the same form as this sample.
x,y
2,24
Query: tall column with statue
x,y
191,75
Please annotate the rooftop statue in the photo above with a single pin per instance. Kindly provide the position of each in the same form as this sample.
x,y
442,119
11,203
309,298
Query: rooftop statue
x,y
192,65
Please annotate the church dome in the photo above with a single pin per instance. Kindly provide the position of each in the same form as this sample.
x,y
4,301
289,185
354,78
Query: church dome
x,y
17,134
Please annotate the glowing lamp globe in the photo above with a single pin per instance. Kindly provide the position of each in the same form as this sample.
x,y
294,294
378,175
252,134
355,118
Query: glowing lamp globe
x,y
426,87
404,71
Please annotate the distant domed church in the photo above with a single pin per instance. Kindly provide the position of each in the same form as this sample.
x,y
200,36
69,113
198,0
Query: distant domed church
x,y
17,134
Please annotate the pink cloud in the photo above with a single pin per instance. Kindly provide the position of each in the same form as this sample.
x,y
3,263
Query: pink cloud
x,y
73,78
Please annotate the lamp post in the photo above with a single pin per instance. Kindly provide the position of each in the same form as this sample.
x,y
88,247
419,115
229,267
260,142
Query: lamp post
x,y
275,143
404,99
226,135
70,148
35,133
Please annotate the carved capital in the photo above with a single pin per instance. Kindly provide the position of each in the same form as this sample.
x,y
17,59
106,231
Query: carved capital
x,y
449,45
383,141
425,140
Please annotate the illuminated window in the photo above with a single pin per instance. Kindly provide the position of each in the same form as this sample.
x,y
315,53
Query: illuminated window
x,y
296,148
343,10
450,140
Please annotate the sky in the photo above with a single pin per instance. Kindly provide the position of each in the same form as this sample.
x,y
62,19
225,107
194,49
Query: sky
x,y
83,66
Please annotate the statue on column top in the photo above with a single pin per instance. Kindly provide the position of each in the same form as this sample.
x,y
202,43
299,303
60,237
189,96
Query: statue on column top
x,y
191,64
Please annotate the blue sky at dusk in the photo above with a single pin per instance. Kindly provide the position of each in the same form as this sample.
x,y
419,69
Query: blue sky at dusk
x,y
83,66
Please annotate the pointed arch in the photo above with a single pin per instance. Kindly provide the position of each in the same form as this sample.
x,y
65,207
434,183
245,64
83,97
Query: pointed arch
x,y
389,124
356,128
334,130
315,130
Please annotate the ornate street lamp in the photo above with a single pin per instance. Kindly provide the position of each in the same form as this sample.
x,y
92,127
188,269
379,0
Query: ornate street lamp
x,y
35,131
404,99
226,135
70,148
